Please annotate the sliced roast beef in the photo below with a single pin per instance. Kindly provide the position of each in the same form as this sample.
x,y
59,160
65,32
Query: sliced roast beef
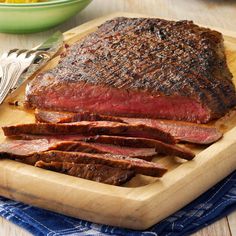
x,y
96,172
181,131
62,137
135,152
24,148
141,67
160,147
118,161
91,128
67,117
18,148
164,148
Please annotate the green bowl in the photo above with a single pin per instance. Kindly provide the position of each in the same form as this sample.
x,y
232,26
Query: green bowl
x,y
35,17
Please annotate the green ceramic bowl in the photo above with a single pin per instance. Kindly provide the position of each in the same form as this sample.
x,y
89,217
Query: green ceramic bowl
x,y
35,17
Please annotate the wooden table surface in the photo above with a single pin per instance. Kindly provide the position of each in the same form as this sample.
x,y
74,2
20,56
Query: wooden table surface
x,y
217,13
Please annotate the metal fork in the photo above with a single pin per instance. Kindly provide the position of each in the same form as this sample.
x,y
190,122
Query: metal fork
x,y
12,65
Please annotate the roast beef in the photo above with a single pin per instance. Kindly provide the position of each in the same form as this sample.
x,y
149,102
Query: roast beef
x,y
24,148
135,152
164,148
181,131
90,128
118,161
141,67
67,117
96,172
160,147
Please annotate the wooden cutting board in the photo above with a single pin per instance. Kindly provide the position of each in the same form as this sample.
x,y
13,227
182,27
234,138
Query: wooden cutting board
x,y
141,202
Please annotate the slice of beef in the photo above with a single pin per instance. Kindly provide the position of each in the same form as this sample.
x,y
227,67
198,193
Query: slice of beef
x,y
68,117
141,67
160,147
24,148
118,161
90,128
96,172
52,137
181,131
134,152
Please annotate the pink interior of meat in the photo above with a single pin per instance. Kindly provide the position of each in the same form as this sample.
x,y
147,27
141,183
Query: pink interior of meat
x,y
111,101
24,147
184,131
129,151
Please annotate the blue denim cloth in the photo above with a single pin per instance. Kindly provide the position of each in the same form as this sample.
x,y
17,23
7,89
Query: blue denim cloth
x,y
215,203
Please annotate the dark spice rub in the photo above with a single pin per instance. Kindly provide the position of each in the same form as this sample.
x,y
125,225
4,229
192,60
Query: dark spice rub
x,y
95,172
90,128
141,67
137,165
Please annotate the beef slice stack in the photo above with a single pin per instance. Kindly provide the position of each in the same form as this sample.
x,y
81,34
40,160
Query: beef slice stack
x,y
104,151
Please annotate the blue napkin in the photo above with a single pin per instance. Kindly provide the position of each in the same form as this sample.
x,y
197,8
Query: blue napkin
x,y
215,203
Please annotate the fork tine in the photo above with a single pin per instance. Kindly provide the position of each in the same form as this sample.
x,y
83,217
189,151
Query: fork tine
x,y
12,65
13,55
31,52
19,52
4,55
16,53
22,55
12,50
17,62
10,76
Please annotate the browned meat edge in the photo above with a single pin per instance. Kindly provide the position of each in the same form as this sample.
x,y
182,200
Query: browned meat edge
x,y
160,147
44,116
181,131
135,152
164,148
91,128
24,148
118,161
96,172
